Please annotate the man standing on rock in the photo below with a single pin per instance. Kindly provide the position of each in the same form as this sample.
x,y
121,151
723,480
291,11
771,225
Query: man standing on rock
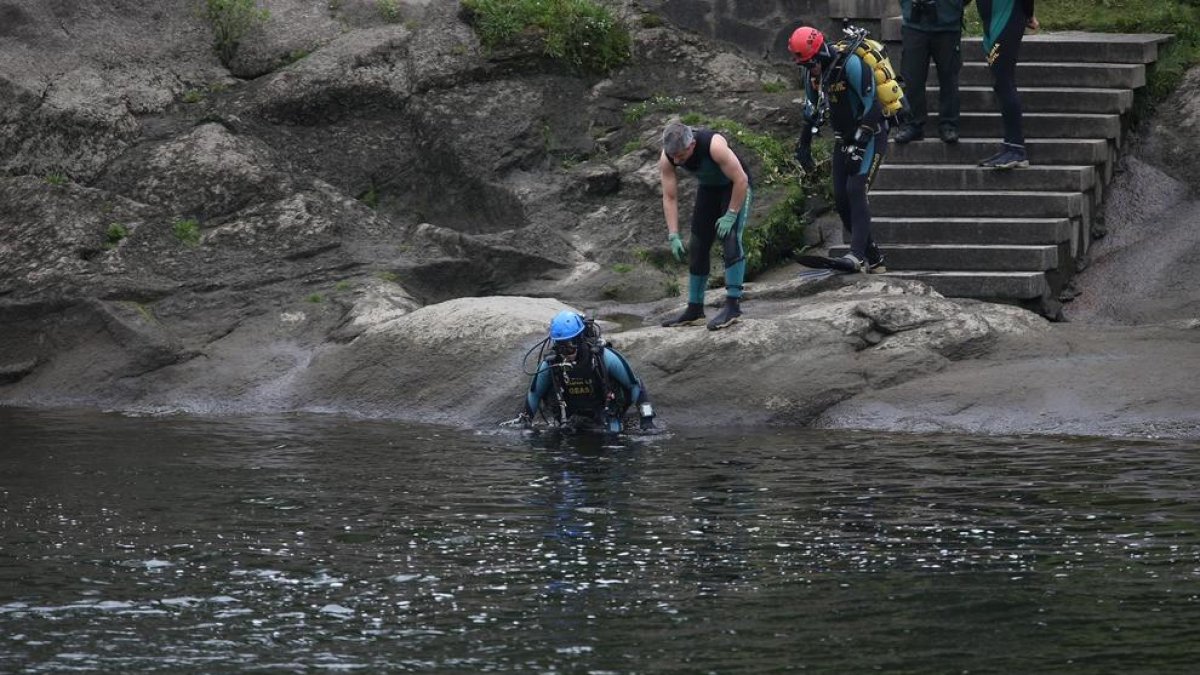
x,y
932,29
720,212
843,80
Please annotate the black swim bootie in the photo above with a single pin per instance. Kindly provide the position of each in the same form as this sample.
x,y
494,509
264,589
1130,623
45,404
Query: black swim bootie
x,y
729,315
691,316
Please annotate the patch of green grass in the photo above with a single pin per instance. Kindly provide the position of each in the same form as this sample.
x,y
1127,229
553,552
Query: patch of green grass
x,y
671,288
633,145
56,178
622,268
767,241
187,230
650,20
295,55
343,286
669,104
370,197
231,21
390,277
775,86
314,298
580,33
611,292
193,96
114,234
389,10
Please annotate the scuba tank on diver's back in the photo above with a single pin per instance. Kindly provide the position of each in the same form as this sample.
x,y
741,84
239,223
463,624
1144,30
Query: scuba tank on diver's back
x,y
888,91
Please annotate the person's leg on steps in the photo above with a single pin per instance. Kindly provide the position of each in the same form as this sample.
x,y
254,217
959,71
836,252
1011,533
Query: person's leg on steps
x,y
914,69
946,47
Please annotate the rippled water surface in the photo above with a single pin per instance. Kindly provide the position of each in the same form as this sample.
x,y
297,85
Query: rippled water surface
x,y
296,544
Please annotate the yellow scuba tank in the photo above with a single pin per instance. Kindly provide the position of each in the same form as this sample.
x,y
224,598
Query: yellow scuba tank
x,y
887,90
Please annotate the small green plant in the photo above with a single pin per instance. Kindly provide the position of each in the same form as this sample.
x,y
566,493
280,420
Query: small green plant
x,y
295,55
56,178
660,259
649,20
611,292
669,104
622,268
671,288
633,145
217,87
774,86
231,21
193,96
314,298
114,234
370,197
343,286
389,10
581,33
187,230
388,276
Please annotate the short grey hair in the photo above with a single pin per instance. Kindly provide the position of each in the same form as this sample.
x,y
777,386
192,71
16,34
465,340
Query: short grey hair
x,y
676,137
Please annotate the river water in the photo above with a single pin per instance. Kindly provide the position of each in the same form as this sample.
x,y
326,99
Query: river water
x,y
306,543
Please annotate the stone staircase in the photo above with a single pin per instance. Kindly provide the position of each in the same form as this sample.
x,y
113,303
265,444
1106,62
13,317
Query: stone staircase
x,y
1011,236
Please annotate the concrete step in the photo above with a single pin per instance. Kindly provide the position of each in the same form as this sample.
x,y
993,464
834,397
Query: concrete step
x,y
981,203
1053,178
1043,99
960,257
971,150
1037,125
982,285
1059,47
1052,74
1078,47
912,230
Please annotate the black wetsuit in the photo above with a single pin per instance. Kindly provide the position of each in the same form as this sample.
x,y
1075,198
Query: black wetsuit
x,y
849,87
1003,27
712,201
932,31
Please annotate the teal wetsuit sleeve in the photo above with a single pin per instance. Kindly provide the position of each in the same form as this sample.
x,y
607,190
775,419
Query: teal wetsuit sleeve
x,y
538,388
862,82
618,369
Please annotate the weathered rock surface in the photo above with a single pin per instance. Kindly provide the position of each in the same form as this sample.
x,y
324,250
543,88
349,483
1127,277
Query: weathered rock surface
x,y
373,214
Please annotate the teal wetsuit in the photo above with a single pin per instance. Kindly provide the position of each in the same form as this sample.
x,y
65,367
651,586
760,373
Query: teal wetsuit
x,y
712,201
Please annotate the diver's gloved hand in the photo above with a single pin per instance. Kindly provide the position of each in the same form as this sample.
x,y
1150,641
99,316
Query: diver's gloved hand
x,y
725,223
804,158
677,248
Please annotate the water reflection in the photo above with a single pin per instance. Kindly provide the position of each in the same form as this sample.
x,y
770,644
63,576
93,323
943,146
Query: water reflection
x,y
294,543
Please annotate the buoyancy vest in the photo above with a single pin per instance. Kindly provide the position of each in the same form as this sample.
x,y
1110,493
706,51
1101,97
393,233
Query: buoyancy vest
x,y
888,91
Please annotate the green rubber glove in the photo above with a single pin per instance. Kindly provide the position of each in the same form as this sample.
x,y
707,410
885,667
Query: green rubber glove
x,y
725,224
677,247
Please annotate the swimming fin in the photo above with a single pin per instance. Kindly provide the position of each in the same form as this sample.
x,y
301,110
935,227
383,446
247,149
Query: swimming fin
x,y
820,262
816,275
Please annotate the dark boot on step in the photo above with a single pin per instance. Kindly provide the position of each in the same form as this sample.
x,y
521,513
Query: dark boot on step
x,y
729,315
692,316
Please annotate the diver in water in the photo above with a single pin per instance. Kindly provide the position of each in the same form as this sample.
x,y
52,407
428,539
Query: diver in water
x,y
584,382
